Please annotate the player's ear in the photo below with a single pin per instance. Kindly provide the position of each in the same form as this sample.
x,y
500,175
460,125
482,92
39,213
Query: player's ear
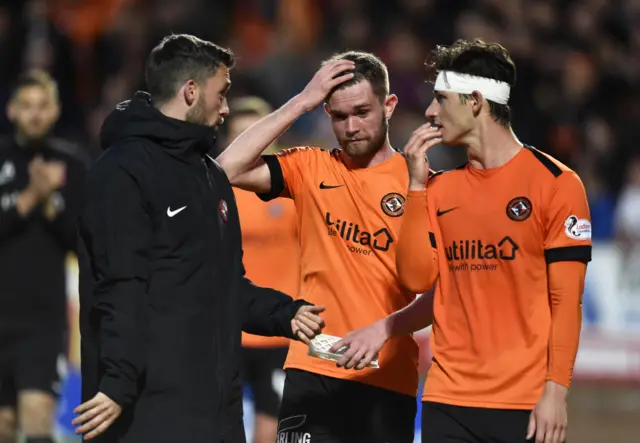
x,y
390,104
477,100
327,109
190,92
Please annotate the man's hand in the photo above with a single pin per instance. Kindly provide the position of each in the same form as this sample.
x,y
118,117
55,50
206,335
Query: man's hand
x,y
46,177
415,153
307,323
548,420
363,345
96,415
328,77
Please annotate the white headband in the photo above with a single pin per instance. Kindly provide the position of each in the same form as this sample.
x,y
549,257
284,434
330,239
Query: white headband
x,y
493,90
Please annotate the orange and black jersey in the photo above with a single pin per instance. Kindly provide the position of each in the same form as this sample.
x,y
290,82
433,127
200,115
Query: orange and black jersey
x,y
348,222
510,247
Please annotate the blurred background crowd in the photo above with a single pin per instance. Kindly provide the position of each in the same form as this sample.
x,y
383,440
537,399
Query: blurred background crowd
x,y
577,96
578,66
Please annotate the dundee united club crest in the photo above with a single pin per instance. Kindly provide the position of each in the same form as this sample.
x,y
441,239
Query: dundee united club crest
x,y
519,209
392,204
223,210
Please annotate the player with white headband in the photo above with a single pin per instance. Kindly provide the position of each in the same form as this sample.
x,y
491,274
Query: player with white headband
x,y
492,90
506,239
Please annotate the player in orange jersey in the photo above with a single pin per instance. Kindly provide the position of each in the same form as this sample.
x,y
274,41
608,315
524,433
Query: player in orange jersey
x,y
510,243
350,205
271,259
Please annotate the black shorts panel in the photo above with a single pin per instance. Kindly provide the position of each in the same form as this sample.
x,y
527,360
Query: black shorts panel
x,y
262,371
323,409
30,361
442,423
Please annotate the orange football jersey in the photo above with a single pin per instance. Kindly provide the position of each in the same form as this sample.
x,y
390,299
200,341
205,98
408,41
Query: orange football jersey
x,y
496,232
349,220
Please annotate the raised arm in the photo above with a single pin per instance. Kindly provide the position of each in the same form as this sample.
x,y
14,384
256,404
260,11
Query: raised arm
x,y
416,257
241,160
63,218
17,206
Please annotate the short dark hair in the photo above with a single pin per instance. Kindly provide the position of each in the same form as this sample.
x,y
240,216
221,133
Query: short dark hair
x,y
35,77
368,67
179,58
490,60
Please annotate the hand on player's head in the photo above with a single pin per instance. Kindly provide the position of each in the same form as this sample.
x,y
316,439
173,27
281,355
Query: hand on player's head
x,y
307,323
415,153
328,77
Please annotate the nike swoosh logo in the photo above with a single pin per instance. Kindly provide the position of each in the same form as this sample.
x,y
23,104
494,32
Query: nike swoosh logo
x,y
439,213
171,213
323,186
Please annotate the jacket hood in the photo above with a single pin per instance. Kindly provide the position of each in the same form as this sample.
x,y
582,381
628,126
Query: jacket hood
x,y
139,118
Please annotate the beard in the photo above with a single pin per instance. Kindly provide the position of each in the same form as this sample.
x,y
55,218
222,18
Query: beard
x,y
367,148
198,114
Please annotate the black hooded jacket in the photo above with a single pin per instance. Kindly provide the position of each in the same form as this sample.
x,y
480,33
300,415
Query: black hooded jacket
x,y
163,295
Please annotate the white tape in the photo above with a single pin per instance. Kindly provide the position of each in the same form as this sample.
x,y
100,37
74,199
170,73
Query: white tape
x,y
494,90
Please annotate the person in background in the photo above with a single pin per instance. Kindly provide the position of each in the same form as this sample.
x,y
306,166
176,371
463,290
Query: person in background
x,y
627,214
272,259
40,181
627,236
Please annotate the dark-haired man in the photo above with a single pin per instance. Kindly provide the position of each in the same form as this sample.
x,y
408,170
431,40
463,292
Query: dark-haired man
x,y
510,243
350,208
40,181
163,295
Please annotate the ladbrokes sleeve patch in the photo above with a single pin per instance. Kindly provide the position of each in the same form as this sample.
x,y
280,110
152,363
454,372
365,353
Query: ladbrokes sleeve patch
x,y
568,225
577,228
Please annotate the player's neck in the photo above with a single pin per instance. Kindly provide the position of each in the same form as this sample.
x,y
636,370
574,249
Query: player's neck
x,y
491,146
367,161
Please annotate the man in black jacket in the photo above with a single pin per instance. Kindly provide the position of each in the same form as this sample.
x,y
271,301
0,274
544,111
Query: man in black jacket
x,y
163,297
40,181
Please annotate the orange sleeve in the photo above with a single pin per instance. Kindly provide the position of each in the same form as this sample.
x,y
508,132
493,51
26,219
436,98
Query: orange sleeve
x,y
567,251
566,284
287,168
568,221
416,256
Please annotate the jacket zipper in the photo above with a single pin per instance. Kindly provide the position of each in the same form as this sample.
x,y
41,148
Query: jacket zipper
x,y
215,338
